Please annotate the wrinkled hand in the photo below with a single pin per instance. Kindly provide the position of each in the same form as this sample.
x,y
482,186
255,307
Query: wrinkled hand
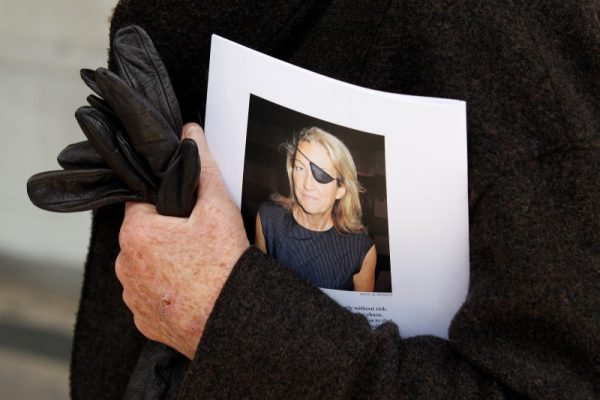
x,y
173,269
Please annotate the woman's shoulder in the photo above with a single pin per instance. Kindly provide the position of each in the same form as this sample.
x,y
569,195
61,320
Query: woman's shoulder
x,y
361,239
272,209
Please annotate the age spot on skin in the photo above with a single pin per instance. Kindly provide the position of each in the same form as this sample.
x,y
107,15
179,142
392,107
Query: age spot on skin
x,y
164,303
164,307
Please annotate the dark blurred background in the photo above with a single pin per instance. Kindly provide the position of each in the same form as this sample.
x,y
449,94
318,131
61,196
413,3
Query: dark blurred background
x,y
43,44
270,125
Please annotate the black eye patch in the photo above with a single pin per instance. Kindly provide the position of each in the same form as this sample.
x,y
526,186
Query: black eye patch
x,y
317,172
319,175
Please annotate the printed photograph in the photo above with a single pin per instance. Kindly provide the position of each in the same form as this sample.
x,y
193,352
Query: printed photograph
x,y
314,197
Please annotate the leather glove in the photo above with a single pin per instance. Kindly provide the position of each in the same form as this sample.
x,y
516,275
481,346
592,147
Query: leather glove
x,y
133,152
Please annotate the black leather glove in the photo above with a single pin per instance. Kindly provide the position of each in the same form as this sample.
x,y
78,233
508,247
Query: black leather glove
x,y
133,152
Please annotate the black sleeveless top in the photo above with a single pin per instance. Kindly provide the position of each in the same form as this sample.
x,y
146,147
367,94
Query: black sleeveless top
x,y
328,259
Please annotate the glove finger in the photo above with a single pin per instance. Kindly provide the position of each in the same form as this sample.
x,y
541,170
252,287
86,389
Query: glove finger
x,y
102,105
178,189
78,190
148,132
100,132
139,164
89,78
81,155
138,63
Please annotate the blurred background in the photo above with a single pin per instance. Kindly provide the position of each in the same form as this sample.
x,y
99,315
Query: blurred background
x,y
43,44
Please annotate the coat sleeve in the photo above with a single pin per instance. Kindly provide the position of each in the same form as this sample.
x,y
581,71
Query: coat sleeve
x,y
529,327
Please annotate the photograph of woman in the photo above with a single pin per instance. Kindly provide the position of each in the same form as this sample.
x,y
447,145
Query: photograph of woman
x,y
317,230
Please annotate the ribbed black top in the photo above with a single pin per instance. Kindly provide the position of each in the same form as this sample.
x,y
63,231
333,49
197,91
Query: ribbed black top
x,y
328,259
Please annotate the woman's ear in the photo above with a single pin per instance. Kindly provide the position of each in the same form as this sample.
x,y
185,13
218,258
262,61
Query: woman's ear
x,y
341,191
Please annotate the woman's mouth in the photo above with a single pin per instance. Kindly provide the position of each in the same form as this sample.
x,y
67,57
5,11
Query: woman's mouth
x,y
309,197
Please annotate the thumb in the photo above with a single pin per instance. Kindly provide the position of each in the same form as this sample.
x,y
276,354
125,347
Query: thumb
x,y
211,183
196,133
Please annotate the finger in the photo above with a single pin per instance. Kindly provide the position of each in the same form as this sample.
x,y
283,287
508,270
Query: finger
x,y
120,268
137,302
145,327
137,210
212,189
211,186
196,133
136,297
134,214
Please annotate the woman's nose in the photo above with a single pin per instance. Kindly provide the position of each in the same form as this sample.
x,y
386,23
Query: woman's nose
x,y
309,182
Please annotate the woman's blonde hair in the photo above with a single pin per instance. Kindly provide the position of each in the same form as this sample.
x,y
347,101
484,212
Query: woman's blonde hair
x,y
347,211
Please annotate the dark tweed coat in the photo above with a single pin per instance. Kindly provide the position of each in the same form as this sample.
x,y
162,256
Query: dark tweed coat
x,y
529,71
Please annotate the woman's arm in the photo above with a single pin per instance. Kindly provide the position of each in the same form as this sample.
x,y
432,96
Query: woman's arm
x,y
259,240
364,280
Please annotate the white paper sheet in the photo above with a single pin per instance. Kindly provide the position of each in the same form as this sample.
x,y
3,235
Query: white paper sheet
x,y
425,174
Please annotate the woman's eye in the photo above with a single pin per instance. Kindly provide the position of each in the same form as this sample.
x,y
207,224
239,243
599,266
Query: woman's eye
x,y
298,168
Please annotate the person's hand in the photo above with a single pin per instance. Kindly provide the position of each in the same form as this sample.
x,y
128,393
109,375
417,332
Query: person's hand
x,y
173,269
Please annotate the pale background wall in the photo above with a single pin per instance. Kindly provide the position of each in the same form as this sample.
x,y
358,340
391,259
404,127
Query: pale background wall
x,y
43,44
